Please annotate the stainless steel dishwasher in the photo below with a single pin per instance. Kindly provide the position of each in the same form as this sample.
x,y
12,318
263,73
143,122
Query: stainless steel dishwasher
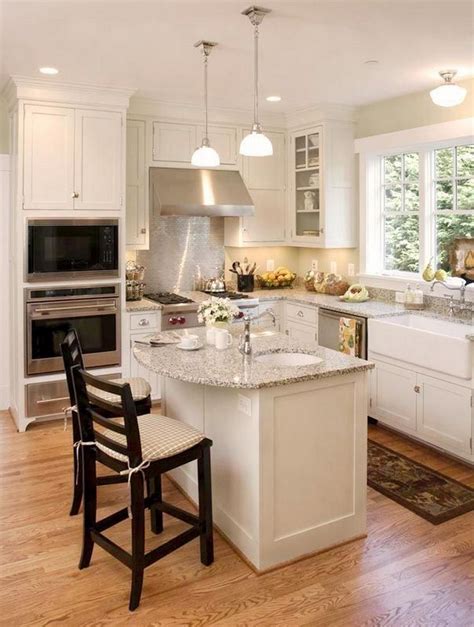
x,y
328,333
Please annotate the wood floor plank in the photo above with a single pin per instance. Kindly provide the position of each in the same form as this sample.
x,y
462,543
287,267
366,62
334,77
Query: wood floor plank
x,y
406,572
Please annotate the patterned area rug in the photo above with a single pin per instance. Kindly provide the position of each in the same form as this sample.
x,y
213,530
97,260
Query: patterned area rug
x,y
425,492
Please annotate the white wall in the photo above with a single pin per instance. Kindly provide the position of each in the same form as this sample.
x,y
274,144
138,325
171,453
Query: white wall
x,y
4,281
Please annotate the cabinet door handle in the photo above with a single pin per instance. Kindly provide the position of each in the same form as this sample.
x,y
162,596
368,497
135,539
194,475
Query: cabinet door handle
x,y
300,314
287,332
75,194
144,323
417,389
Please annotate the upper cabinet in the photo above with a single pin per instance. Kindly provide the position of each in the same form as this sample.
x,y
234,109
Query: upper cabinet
x,y
136,200
72,159
265,178
321,193
173,143
223,139
48,158
98,160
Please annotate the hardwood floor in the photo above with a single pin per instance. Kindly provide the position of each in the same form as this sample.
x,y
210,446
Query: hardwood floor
x,y
406,572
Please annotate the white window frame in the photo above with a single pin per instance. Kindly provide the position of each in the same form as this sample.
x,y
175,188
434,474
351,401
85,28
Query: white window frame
x,y
423,140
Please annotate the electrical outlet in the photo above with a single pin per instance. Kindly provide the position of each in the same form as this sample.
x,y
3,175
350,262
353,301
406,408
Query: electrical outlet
x,y
350,269
333,267
314,265
244,405
270,265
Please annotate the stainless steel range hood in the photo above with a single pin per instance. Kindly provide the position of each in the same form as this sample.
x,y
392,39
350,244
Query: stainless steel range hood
x,y
199,192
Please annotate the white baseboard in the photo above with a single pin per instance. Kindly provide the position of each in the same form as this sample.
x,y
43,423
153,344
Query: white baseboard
x,y
4,397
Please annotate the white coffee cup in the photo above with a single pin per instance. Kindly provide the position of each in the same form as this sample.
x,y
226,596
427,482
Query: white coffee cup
x,y
223,339
189,341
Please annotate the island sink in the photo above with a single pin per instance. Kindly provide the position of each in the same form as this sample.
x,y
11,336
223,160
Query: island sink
x,y
285,360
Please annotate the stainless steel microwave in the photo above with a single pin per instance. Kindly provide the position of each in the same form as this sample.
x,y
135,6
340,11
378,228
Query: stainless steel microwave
x,y
59,250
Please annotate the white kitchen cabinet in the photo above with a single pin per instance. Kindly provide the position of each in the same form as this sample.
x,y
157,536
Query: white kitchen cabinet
x,y
321,190
444,414
48,181
98,160
431,409
136,199
137,370
393,396
300,332
72,159
266,182
174,143
223,139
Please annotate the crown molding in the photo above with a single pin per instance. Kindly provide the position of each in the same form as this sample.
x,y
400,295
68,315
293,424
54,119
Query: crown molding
x,y
141,105
319,112
28,88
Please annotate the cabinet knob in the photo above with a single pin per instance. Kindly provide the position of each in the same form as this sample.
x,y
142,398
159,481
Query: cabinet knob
x,y
75,194
143,231
417,389
300,314
144,322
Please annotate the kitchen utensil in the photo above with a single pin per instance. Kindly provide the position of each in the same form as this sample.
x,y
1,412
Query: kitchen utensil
x,y
253,267
215,286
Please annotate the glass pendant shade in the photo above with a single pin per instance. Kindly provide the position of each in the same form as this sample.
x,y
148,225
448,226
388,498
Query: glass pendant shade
x,y
256,144
205,157
448,94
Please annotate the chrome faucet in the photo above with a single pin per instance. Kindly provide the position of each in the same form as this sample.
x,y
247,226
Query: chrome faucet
x,y
453,307
245,347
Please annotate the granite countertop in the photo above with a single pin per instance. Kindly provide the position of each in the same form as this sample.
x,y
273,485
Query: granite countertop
x,y
142,305
229,368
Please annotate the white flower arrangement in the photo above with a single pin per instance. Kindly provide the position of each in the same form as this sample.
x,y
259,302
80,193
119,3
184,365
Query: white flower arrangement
x,y
217,310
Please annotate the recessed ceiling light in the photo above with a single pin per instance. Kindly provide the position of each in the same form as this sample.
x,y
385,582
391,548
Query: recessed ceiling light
x,y
371,62
49,70
273,98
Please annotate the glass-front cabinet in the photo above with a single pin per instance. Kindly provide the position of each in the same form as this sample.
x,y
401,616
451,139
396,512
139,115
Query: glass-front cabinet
x,y
306,187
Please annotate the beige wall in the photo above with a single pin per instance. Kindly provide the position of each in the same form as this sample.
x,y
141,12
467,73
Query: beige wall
x,y
4,132
410,111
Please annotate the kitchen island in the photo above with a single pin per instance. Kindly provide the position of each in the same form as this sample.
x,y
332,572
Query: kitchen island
x,y
289,453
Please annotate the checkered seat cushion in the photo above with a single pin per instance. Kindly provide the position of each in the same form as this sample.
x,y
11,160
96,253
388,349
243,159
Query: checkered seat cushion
x,y
139,387
160,437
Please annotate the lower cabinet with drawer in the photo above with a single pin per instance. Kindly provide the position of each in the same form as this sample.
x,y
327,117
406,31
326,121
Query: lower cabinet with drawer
x,y
301,322
140,325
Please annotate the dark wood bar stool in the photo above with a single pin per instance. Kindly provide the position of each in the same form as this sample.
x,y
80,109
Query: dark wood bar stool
x,y
142,450
72,356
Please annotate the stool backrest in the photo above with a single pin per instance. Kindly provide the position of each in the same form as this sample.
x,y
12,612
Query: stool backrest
x,y
98,411
72,356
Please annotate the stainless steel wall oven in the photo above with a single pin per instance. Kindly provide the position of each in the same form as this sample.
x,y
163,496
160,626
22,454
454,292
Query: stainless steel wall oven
x,y
50,312
71,249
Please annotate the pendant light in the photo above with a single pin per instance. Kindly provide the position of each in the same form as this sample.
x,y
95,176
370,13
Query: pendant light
x,y
205,156
256,144
448,94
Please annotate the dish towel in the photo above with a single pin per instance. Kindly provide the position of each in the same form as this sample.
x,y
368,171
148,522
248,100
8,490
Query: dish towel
x,y
349,336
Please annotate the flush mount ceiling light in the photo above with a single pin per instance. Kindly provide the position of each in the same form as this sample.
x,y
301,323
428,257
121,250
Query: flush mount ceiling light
x,y
448,94
205,156
50,71
256,144
273,98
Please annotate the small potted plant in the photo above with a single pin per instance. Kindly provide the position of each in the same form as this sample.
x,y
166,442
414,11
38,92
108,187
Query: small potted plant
x,y
216,313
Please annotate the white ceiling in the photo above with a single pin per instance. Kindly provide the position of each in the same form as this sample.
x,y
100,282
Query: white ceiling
x,y
311,51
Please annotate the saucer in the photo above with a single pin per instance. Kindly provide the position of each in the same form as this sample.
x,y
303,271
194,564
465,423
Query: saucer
x,y
190,348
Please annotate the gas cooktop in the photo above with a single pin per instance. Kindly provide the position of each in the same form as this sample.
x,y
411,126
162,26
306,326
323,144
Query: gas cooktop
x,y
168,298
231,295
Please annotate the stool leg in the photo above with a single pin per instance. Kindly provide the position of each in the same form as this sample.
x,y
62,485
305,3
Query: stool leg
x,y
89,483
77,461
205,507
138,539
156,517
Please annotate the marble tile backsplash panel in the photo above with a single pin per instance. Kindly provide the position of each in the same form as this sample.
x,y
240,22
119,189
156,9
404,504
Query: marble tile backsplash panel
x,y
179,249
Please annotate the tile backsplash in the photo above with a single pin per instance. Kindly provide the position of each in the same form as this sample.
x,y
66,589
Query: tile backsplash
x,y
179,249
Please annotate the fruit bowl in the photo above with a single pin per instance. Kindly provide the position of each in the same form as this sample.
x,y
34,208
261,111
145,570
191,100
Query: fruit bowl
x,y
281,277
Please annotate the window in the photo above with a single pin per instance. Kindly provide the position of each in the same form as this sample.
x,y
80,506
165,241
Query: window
x,y
417,202
453,199
401,207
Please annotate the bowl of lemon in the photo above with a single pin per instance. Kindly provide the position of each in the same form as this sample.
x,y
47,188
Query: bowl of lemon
x,y
281,277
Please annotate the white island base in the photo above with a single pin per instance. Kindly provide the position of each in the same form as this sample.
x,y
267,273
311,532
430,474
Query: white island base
x,y
289,463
